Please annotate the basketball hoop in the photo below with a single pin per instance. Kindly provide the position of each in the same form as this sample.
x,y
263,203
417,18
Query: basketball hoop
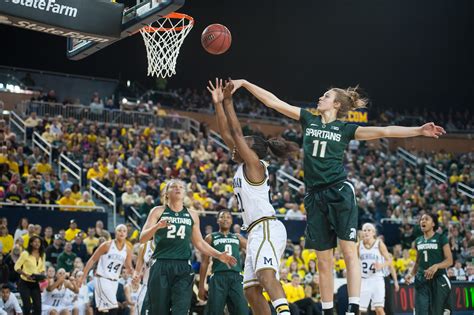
x,y
163,42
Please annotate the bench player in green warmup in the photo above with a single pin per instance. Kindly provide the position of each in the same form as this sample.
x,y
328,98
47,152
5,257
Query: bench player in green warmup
x,y
171,276
433,256
225,285
330,200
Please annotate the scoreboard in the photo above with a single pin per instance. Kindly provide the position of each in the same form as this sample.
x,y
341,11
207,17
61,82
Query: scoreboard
x,y
462,298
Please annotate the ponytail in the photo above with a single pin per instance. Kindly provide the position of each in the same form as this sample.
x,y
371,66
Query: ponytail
x,y
282,148
278,147
350,99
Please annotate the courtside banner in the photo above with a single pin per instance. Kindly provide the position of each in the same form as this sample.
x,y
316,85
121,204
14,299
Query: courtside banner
x,y
96,20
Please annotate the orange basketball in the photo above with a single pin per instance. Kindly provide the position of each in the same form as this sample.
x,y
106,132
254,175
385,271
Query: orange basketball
x,y
216,39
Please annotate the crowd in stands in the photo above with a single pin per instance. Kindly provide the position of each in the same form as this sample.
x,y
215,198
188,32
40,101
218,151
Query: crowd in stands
x,y
136,161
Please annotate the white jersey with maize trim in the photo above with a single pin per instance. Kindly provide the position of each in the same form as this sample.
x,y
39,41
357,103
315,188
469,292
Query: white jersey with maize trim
x,y
368,258
253,198
110,264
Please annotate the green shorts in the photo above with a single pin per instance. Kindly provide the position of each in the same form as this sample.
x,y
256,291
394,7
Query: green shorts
x,y
226,288
331,213
170,288
433,296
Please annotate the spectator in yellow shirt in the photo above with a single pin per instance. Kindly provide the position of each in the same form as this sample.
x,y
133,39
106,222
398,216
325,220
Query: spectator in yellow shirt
x,y
6,240
295,294
13,164
30,266
67,200
76,192
91,241
43,166
94,172
86,201
72,231
296,257
26,237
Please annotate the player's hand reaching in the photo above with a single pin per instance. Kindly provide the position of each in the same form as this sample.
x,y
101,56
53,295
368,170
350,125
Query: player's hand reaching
x,y
237,84
227,259
432,130
216,91
431,271
228,89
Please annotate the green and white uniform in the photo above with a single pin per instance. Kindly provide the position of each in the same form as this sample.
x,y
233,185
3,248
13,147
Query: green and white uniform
x,y
432,296
330,201
171,276
225,285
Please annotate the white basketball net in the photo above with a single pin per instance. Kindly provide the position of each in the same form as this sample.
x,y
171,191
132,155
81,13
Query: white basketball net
x,y
163,39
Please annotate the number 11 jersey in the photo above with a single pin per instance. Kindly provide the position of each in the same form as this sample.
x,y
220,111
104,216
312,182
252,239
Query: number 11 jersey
x,y
110,264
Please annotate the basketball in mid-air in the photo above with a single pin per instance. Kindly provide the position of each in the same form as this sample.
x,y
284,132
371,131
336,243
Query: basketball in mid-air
x,y
216,39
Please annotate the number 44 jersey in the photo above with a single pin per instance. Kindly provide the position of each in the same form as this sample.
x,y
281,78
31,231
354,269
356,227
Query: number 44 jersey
x,y
110,264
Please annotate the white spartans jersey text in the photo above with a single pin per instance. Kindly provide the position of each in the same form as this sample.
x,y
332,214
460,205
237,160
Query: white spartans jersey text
x,y
110,264
253,198
368,258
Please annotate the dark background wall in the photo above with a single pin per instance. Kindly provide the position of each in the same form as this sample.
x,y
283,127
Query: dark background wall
x,y
403,53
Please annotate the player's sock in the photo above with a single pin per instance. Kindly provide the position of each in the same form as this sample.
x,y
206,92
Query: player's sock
x,y
328,308
353,308
281,306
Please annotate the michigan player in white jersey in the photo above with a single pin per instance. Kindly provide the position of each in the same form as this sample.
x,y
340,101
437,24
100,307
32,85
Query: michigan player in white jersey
x,y
53,298
142,271
266,235
374,259
111,256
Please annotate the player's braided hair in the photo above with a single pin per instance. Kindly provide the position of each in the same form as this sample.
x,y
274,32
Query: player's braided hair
x,y
278,147
350,99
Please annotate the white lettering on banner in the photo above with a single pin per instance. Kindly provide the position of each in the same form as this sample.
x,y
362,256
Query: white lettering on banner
x,y
49,6
51,30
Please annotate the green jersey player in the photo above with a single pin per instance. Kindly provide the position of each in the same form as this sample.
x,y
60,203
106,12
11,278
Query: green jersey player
x,y
174,228
225,284
330,201
432,286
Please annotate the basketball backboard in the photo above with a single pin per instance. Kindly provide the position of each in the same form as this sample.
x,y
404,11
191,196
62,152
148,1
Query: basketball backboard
x,y
133,20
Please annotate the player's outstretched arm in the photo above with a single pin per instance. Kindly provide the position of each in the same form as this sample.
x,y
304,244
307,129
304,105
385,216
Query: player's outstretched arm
x,y
205,248
385,254
101,250
203,271
254,169
217,99
371,133
269,99
152,224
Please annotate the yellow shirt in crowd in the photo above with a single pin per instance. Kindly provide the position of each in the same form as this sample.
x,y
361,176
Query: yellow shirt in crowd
x,y
71,234
293,293
91,243
29,264
7,243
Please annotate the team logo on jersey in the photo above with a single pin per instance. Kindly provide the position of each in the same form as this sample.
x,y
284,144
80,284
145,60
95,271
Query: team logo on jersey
x,y
352,235
267,261
186,214
335,128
